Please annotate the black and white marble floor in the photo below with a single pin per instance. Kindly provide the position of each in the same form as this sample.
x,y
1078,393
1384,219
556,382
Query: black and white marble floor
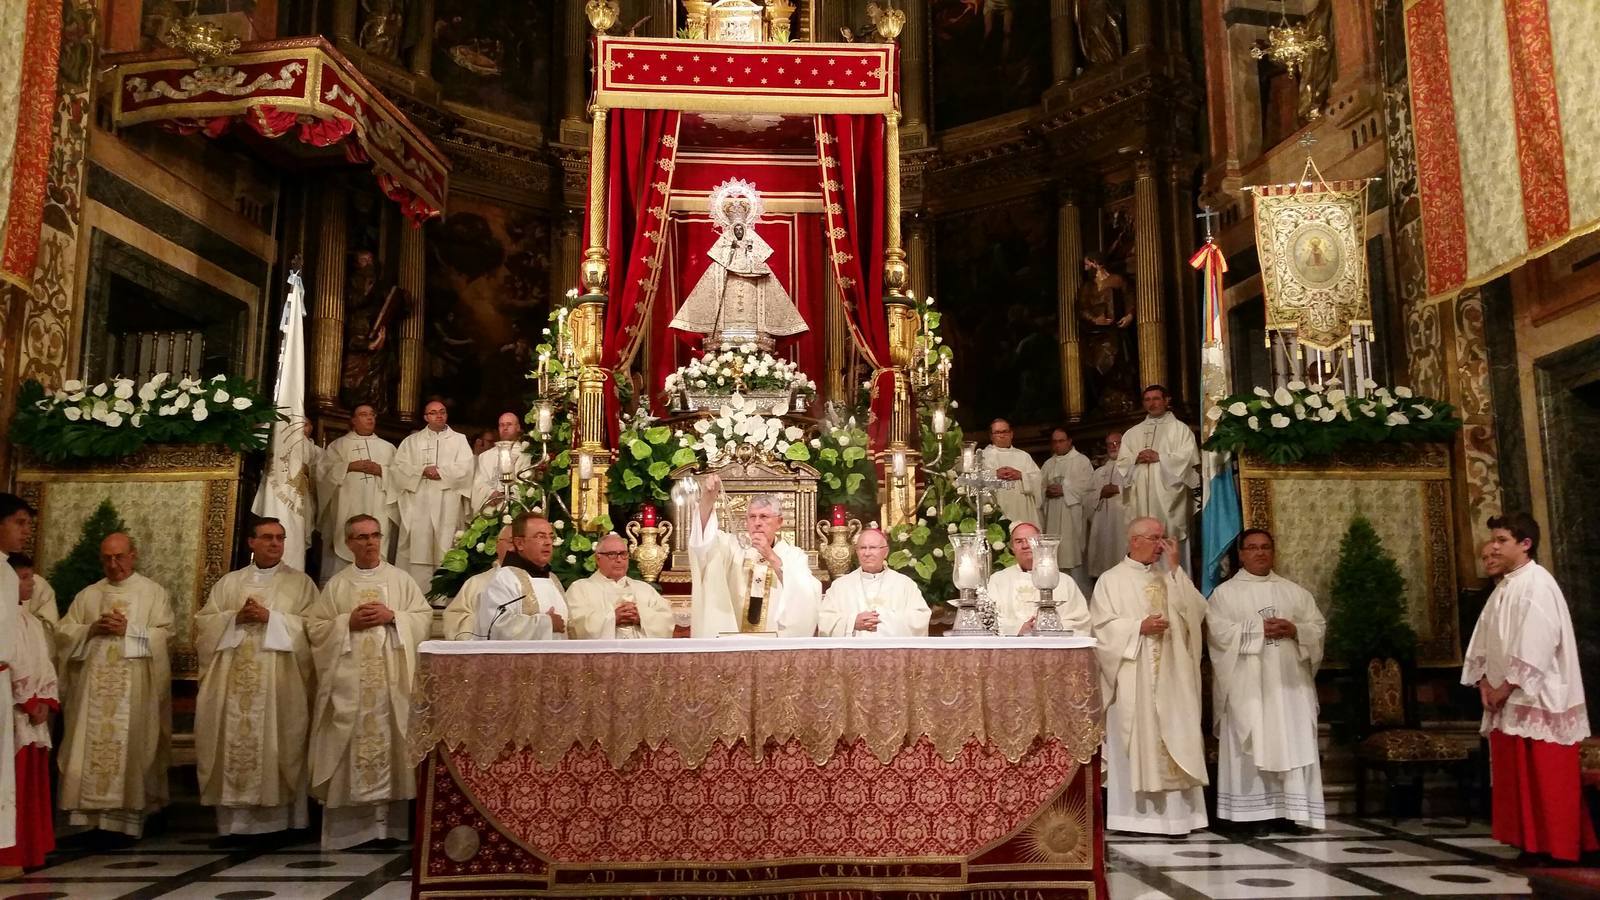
x,y
1351,858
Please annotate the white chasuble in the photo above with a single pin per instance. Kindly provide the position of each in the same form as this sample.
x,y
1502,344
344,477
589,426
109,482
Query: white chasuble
x,y
594,601
1264,700
358,749
1108,523
342,494
119,705
1067,516
894,597
516,605
430,510
1155,760
727,576
1016,601
255,696
1524,635
1162,490
460,616
1018,500
43,606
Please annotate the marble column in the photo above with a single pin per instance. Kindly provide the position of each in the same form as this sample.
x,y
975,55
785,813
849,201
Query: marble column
x,y
413,280
422,52
919,255
1141,24
568,250
1063,42
1069,277
327,320
344,21
1148,249
914,70
575,74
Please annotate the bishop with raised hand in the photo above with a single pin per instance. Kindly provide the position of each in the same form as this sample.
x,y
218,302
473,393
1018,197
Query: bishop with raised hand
x,y
754,583
873,600
255,691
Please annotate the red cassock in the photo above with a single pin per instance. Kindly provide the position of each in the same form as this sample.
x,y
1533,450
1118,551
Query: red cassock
x,y
1538,799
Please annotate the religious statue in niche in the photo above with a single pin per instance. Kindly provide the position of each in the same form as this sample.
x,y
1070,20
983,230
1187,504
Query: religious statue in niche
x,y
1107,321
1099,31
867,33
372,309
386,30
738,300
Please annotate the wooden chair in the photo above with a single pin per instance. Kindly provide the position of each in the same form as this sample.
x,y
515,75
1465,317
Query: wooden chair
x,y
1397,747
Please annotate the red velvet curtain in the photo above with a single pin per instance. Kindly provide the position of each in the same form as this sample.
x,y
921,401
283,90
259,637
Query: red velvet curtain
x,y
642,146
797,262
851,167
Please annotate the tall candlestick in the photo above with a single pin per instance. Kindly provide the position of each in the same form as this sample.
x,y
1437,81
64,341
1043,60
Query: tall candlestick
x,y
969,456
546,418
585,466
940,423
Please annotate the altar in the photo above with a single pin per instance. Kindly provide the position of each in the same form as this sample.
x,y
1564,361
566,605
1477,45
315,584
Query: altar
x,y
758,767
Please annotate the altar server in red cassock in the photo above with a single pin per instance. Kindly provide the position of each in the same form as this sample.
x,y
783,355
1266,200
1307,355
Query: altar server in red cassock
x,y
34,697
1524,661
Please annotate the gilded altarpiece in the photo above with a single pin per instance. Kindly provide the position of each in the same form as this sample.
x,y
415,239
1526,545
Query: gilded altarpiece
x,y
1404,490
179,503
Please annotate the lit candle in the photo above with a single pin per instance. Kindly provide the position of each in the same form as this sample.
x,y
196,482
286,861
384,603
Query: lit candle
x,y
507,458
647,516
1046,577
940,423
546,418
839,515
969,456
585,466
899,458
965,575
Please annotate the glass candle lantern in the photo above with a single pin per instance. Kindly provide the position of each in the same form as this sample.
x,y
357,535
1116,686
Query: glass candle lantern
x,y
1046,573
971,567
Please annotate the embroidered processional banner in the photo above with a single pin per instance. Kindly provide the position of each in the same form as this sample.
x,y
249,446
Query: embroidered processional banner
x,y
1311,237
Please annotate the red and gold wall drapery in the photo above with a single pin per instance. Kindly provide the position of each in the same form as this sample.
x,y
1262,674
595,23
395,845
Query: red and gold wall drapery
x,y
30,47
1507,139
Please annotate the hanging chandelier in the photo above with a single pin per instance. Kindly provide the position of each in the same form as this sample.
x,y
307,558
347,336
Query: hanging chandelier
x,y
1290,46
199,38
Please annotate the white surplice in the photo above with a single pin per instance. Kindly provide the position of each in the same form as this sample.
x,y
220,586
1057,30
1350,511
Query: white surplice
x,y
1161,490
43,606
515,606
254,702
1264,701
486,473
1018,500
594,601
723,573
1155,759
460,616
342,494
430,510
119,706
896,598
11,638
1016,601
1067,516
1524,635
361,768
1108,524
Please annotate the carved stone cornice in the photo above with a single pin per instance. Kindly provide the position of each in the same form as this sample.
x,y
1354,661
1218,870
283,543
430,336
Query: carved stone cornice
x,y
574,164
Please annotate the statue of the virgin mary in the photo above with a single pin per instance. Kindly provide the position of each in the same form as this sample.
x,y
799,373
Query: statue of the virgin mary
x,y
738,300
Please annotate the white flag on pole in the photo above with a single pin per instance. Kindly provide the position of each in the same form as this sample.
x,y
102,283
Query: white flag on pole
x,y
285,491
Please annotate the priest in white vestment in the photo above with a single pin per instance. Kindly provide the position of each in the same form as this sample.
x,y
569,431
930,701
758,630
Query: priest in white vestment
x,y
751,583
364,630
1147,623
1523,659
255,691
1019,498
1016,600
486,483
873,600
1265,634
1108,519
460,615
1157,469
113,651
351,482
429,482
523,601
38,597
609,605
1070,493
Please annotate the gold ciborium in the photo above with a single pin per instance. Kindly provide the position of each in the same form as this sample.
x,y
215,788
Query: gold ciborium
x,y
837,536
649,543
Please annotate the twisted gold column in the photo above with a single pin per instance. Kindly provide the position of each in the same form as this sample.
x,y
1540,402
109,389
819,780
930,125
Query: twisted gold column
x,y
899,495
327,322
595,268
1069,255
1147,246
413,280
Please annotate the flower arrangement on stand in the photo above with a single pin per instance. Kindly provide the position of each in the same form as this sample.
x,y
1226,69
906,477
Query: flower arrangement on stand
x,y
117,418
1303,421
744,370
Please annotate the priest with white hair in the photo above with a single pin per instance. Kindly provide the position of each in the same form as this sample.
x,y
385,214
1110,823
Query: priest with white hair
x,y
1019,498
609,605
873,600
750,583
1147,626
1016,600
1265,634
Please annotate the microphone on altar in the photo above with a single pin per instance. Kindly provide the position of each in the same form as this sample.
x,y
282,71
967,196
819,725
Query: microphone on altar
x,y
498,612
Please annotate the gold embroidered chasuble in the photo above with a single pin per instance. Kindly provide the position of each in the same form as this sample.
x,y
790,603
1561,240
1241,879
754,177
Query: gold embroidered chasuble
x,y
363,700
255,682
118,707
593,603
